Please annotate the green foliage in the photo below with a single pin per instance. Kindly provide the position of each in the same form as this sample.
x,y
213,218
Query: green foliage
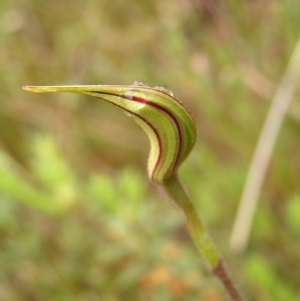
x,y
52,171
293,214
99,246
271,283
17,188
49,187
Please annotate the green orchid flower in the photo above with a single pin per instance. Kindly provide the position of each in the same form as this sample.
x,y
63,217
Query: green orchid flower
x,y
170,127
172,133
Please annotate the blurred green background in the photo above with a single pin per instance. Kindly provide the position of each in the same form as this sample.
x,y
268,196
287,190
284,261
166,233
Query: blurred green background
x,y
79,219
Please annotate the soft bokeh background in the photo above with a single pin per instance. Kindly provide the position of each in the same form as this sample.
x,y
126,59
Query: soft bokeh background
x,y
79,219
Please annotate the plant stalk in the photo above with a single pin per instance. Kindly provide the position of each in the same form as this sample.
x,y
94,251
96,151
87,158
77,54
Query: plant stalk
x,y
175,190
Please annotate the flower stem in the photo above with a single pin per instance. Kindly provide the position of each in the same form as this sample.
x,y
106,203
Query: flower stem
x,y
175,190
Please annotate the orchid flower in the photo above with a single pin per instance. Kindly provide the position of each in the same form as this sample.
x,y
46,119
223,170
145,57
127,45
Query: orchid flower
x,y
172,133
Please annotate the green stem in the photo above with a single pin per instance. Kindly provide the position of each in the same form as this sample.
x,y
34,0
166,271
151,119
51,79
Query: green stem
x,y
201,237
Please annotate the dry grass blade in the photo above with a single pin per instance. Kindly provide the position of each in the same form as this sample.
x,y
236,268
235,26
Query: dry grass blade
x,y
263,152
263,87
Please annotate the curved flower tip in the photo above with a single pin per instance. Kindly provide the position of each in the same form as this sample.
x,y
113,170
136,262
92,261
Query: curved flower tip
x,y
169,125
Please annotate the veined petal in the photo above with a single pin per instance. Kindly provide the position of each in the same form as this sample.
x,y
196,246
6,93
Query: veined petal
x,y
170,127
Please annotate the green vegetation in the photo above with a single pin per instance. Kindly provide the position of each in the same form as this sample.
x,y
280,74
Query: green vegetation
x,y
79,219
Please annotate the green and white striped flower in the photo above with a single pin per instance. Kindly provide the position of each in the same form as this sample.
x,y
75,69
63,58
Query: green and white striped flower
x,y
169,125
172,134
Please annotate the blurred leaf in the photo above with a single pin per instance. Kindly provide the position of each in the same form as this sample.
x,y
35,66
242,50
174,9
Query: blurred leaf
x,y
15,187
103,190
292,214
267,281
132,185
52,170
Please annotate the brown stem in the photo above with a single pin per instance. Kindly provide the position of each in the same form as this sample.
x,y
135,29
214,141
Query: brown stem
x,y
221,272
